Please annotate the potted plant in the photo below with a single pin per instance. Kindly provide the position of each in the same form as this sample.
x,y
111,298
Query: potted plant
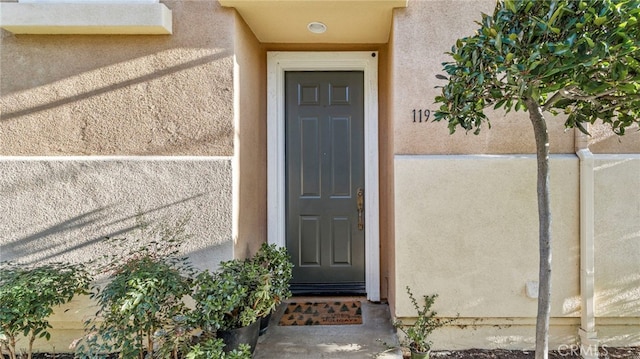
x,y
417,334
278,262
230,301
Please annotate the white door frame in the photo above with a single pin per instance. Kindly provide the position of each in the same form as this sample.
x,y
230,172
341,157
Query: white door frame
x,y
277,64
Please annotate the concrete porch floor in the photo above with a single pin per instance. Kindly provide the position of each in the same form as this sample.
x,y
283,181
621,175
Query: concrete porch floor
x,y
366,340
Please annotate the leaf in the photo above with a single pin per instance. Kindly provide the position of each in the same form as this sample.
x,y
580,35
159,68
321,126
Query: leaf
x,y
628,88
441,77
509,57
588,40
581,128
600,20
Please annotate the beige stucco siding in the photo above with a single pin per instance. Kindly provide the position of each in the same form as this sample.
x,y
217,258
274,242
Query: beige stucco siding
x,y
62,209
466,229
617,236
422,33
465,218
95,130
250,141
122,95
603,141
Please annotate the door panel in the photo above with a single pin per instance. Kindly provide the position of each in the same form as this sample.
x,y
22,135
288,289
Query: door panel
x,y
324,169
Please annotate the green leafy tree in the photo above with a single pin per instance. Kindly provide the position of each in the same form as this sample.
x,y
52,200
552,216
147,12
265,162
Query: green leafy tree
x,y
580,58
27,297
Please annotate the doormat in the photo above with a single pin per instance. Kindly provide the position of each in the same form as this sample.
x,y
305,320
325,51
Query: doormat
x,y
322,313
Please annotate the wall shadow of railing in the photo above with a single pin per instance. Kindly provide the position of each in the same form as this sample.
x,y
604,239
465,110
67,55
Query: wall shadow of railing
x,y
52,243
6,116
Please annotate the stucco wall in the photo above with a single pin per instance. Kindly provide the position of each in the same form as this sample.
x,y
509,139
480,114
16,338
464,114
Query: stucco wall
x,y
95,130
61,209
422,33
122,95
466,228
466,225
250,141
617,247
126,96
602,140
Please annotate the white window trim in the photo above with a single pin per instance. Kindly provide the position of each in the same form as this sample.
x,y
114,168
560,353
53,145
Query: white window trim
x,y
277,64
86,17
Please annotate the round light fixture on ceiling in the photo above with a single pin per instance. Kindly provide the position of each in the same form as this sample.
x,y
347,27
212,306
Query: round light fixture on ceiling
x,y
317,27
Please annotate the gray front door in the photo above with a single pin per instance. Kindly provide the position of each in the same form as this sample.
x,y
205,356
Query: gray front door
x,y
325,175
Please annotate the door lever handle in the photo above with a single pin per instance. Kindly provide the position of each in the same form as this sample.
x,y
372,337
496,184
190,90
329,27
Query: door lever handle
x,y
360,202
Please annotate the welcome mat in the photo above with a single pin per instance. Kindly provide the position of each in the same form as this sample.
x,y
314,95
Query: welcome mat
x,y
322,313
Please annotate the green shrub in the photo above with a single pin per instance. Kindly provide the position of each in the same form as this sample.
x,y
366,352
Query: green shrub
x,y
141,308
278,262
27,297
213,348
233,297
417,334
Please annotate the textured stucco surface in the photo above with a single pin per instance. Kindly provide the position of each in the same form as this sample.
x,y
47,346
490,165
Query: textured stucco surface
x,y
122,95
61,210
617,236
466,228
604,141
474,219
250,143
422,33
503,333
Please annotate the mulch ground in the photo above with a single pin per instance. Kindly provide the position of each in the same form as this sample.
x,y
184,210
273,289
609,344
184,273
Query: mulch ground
x,y
605,353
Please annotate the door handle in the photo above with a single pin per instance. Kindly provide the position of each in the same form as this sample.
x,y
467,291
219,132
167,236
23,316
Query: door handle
x,y
360,202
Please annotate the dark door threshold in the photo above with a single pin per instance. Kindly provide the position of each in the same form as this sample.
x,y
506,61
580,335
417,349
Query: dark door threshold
x,y
350,288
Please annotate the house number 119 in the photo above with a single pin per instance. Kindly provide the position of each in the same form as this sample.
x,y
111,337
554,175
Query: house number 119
x,y
419,114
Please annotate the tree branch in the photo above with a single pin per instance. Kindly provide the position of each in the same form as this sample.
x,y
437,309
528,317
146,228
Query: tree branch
x,y
566,93
555,98
570,94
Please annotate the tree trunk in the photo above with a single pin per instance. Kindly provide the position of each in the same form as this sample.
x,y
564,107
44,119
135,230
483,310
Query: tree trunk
x,y
30,350
544,222
12,346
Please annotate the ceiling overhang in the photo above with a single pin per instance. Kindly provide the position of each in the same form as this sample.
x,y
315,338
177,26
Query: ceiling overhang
x,y
347,21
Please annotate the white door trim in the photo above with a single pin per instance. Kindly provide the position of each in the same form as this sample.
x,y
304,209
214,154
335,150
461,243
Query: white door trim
x,y
277,64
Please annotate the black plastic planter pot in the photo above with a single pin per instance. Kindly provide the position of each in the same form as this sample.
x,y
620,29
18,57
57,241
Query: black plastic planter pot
x,y
264,323
245,335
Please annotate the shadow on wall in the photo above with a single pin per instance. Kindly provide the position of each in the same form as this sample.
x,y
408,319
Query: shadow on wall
x,y
61,240
62,209
9,115
199,27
